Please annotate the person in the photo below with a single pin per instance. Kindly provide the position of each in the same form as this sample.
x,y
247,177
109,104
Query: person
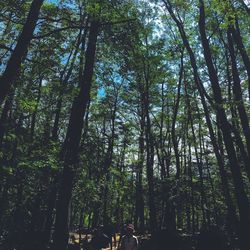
x,y
109,230
99,240
129,241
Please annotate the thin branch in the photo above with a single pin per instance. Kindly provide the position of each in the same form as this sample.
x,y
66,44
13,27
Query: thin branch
x,y
80,26
57,31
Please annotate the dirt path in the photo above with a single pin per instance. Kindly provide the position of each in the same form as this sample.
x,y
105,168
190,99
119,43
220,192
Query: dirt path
x,y
75,236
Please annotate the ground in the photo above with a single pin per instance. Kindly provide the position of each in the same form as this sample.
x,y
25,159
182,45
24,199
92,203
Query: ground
x,y
76,237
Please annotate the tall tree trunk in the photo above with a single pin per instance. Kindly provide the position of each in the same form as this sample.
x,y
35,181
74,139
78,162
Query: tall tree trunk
x,y
174,140
150,174
108,160
33,118
65,79
49,211
14,63
139,203
72,141
238,92
149,152
4,199
190,176
231,210
240,45
4,117
235,126
241,196
198,161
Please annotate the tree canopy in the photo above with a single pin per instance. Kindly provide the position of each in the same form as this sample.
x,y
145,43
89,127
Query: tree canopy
x,y
115,112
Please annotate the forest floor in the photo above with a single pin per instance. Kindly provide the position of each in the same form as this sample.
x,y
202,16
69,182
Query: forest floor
x,y
115,243
89,236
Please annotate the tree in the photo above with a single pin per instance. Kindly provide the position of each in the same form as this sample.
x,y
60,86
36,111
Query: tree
x,y
18,54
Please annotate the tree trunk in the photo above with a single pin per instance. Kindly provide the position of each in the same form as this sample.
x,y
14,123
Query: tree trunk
x,y
49,212
108,161
149,153
190,176
231,210
174,140
238,40
139,203
63,82
33,118
14,63
198,161
238,93
241,195
72,141
235,126
4,117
